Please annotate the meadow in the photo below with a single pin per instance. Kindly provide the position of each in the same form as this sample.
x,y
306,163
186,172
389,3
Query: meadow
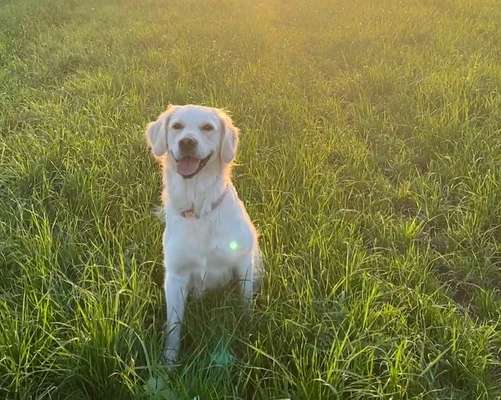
x,y
370,161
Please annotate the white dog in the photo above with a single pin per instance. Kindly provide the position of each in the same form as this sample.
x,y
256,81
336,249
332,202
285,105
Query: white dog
x,y
209,237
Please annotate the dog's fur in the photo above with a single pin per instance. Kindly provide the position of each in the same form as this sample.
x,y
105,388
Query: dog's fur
x,y
215,240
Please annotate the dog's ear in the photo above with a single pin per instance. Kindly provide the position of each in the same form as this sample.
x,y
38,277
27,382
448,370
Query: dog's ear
x,y
156,132
229,139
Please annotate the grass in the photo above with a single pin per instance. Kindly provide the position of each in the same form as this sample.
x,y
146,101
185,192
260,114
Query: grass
x,y
370,161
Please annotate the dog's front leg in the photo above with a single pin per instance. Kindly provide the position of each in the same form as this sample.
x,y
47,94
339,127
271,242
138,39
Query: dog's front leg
x,y
176,287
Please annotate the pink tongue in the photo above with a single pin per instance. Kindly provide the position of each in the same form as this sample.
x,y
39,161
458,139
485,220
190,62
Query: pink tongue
x,y
187,165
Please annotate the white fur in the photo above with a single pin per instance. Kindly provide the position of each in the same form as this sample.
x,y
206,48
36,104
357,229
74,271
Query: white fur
x,y
206,251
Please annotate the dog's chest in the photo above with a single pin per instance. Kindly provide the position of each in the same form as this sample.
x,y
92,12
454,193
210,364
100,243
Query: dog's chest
x,y
206,247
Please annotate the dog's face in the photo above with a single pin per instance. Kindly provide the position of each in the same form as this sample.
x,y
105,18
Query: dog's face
x,y
193,136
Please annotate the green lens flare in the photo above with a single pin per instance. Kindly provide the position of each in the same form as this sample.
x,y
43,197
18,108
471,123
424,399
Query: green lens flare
x,y
233,245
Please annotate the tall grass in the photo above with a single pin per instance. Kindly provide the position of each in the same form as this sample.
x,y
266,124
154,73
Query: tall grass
x,y
370,161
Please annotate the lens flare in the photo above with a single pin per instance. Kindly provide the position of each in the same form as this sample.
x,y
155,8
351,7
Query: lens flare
x,y
233,245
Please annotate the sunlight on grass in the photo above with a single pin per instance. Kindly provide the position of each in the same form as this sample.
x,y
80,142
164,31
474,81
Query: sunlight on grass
x,y
370,161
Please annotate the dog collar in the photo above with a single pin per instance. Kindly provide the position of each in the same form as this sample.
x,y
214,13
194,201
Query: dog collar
x,y
190,213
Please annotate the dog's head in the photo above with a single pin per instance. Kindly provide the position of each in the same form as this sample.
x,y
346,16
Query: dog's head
x,y
193,136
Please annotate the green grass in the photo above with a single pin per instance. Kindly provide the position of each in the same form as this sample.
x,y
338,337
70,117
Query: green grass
x,y
370,161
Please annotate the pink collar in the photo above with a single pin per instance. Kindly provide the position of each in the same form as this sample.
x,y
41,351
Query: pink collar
x,y
190,213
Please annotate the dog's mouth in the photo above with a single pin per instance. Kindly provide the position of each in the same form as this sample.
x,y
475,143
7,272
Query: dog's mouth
x,y
189,166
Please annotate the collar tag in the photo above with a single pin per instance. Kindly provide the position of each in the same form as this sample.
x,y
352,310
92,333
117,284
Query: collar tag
x,y
191,212
188,213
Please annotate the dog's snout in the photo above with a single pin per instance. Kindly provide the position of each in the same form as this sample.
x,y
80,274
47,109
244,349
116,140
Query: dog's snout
x,y
187,145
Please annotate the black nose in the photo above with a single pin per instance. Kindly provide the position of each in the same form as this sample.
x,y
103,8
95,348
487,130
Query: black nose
x,y
187,145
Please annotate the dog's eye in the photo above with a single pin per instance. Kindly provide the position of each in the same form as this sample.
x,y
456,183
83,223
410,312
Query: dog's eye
x,y
177,125
207,127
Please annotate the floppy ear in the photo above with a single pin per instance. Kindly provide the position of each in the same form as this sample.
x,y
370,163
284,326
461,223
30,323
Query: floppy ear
x,y
229,140
156,132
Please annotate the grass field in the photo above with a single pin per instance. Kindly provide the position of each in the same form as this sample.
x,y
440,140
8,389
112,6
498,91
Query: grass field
x,y
370,161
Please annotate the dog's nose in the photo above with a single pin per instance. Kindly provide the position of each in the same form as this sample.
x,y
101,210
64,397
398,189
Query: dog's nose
x,y
187,145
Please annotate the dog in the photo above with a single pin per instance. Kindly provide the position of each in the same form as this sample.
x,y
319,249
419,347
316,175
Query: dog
x,y
209,238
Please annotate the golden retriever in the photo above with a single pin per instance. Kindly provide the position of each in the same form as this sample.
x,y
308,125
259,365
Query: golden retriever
x,y
209,238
